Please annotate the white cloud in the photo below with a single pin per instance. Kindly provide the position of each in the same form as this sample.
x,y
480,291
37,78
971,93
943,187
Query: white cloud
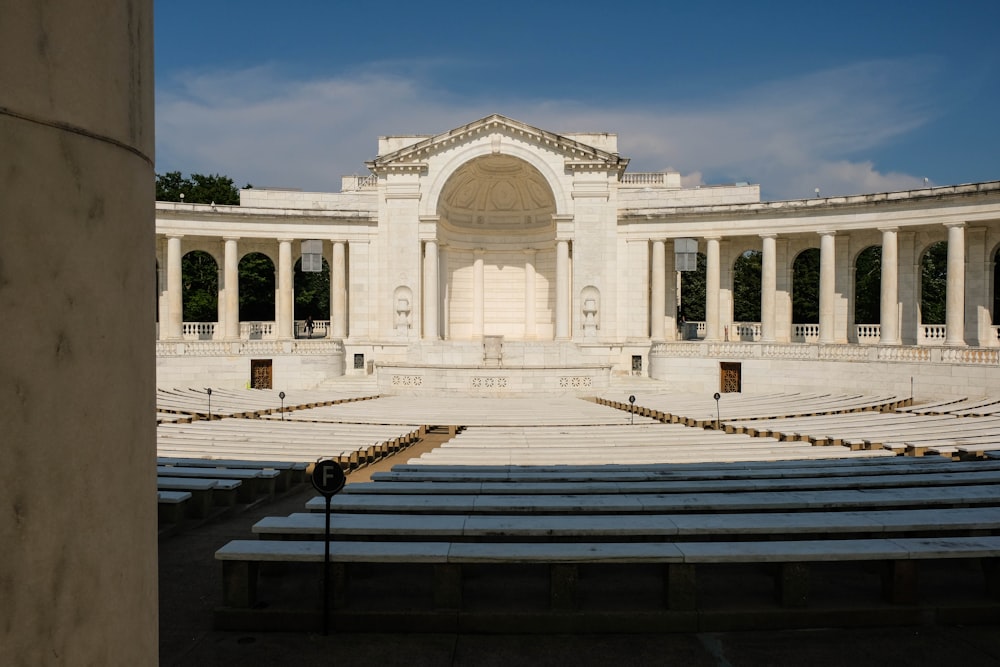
x,y
790,136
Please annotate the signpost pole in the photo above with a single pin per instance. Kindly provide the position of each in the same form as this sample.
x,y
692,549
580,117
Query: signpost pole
x,y
326,570
327,478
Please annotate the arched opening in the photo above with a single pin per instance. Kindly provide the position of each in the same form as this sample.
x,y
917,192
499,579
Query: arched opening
x,y
497,261
934,284
312,292
691,305
200,281
746,286
257,284
995,313
868,286
312,301
805,287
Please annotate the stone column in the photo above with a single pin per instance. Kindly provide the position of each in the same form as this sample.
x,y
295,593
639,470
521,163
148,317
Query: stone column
x,y
955,313
827,286
231,294
657,293
286,291
768,288
529,293
562,290
78,574
713,330
478,293
175,288
338,291
889,299
431,292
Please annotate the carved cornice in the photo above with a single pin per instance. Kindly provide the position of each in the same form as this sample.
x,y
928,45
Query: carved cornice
x,y
579,156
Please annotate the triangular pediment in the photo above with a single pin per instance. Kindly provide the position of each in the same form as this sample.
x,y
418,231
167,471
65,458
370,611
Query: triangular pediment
x,y
577,154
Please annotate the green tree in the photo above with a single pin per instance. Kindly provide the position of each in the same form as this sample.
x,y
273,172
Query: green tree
x,y
934,284
198,189
201,287
746,286
805,287
256,288
312,292
693,292
868,286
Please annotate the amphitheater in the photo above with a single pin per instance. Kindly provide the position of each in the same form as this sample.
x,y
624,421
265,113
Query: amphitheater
x,y
536,440
498,295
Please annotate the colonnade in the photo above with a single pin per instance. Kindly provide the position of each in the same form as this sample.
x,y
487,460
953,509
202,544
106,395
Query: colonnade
x,y
229,299
890,304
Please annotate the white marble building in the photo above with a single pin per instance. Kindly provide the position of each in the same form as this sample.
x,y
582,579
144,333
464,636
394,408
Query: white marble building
x,y
500,258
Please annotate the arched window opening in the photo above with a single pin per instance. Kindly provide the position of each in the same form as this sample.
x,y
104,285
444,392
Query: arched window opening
x,y
691,305
200,280
805,287
257,284
746,286
868,286
934,284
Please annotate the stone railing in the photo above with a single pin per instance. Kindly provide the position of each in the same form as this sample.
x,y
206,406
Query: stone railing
x,y
320,329
746,331
868,334
931,334
805,333
256,348
978,356
198,330
657,178
255,330
355,183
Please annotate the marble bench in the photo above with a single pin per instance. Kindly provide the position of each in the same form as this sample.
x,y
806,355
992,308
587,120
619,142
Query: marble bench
x,y
254,482
205,492
171,506
938,477
289,472
635,503
242,559
661,470
612,527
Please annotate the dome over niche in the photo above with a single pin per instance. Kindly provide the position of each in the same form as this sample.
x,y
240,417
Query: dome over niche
x,y
497,192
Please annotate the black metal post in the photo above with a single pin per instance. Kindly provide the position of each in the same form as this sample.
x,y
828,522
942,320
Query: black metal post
x,y
326,570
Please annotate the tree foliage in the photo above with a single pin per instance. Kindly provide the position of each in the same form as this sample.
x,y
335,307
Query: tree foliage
x,y
868,286
692,305
198,189
257,283
805,287
934,284
746,286
312,293
201,287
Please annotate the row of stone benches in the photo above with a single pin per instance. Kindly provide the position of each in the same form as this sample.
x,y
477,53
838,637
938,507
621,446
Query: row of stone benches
x,y
242,560
192,487
565,522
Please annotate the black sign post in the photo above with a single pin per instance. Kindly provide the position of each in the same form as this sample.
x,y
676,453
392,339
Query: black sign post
x,y
631,399
718,418
327,478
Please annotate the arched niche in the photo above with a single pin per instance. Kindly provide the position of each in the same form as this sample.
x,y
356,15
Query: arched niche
x,y
496,228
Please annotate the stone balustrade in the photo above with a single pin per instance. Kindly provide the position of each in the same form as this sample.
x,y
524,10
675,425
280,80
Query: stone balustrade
x,y
932,334
868,334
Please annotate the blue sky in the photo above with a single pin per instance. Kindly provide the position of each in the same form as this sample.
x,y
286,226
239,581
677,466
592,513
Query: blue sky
x,y
848,97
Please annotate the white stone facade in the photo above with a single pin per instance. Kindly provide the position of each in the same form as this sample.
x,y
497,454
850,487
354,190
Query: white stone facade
x,y
501,231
